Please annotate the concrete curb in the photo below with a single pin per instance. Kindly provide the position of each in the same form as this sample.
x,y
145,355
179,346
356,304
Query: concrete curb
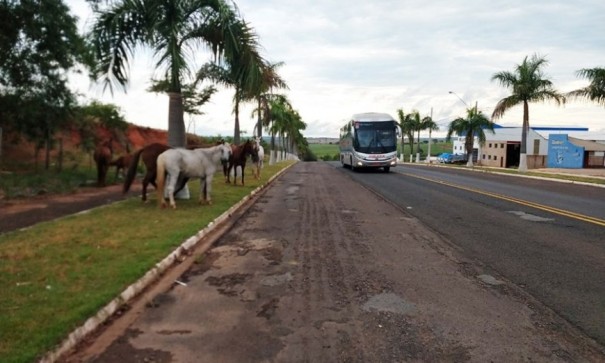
x,y
80,333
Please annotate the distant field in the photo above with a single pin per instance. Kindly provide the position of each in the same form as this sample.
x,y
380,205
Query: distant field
x,y
323,150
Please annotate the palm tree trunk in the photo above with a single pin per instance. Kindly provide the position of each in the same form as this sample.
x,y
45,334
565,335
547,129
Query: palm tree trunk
x,y
469,148
176,124
236,112
524,131
259,123
418,147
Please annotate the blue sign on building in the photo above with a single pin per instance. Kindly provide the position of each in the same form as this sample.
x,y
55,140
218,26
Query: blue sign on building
x,y
564,154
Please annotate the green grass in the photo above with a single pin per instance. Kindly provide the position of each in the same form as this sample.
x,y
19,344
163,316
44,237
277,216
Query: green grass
x,y
57,274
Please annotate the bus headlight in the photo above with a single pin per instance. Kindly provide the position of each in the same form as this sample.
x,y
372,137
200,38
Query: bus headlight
x,y
359,163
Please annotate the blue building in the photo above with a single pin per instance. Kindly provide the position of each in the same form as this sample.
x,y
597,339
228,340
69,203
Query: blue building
x,y
572,153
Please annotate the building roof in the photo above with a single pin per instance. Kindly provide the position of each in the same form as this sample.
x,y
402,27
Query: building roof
x,y
587,145
583,135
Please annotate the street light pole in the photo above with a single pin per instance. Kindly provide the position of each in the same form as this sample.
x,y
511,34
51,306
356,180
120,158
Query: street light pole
x,y
454,93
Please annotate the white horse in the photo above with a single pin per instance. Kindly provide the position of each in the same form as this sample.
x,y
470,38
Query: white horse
x,y
258,164
198,163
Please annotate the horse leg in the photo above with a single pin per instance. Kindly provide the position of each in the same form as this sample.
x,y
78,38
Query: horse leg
x,y
102,174
229,173
149,178
243,168
181,182
170,189
208,188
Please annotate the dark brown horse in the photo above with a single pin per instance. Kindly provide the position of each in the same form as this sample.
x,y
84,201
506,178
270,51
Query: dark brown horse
x,y
238,158
121,164
149,154
102,156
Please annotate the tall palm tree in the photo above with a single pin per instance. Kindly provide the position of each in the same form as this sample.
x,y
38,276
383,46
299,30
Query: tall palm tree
x,y
474,125
426,123
415,123
595,91
408,124
172,29
528,84
270,79
404,126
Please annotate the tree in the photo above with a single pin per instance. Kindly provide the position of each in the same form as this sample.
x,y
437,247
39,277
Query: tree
x,y
408,126
528,84
172,29
595,91
472,126
243,71
270,79
39,44
426,123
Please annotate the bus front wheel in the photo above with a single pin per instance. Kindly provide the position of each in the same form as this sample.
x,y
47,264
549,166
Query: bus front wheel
x,y
352,166
387,169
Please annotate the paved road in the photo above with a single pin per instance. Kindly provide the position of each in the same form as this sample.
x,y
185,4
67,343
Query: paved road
x,y
321,270
529,231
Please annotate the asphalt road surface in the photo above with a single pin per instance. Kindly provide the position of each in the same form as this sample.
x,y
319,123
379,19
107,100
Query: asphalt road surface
x,y
320,269
546,237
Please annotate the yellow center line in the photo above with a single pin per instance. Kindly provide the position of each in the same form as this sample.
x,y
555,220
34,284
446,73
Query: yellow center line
x,y
566,213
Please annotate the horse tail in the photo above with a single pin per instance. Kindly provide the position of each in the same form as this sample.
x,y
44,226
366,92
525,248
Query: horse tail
x,y
132,171
160,177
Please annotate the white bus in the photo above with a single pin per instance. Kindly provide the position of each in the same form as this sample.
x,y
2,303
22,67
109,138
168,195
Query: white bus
x,y
369,140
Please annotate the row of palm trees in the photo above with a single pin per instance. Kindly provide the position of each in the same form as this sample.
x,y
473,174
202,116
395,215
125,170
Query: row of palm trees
x,y
174,31
527,84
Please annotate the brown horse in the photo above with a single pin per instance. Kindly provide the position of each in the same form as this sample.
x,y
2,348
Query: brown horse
x,y
121,164
238,158
102,156
149,154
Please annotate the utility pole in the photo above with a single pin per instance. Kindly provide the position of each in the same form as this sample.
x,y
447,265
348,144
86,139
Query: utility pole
x,y
430,138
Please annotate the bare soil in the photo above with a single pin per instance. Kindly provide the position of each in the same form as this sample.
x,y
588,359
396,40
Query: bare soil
x,y
320,270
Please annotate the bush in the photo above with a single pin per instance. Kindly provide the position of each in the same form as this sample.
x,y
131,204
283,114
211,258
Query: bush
x,y
308,155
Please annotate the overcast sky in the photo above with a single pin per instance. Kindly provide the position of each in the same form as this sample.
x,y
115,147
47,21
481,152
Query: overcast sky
x,y
348,56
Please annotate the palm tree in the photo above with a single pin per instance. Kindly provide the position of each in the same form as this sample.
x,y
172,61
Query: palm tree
x,y
172,30
404,126
472,126
270,79
408,124
528,84
415,123
595,91
426,123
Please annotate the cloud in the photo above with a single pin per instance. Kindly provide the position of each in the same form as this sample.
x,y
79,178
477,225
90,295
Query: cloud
x,y
345,57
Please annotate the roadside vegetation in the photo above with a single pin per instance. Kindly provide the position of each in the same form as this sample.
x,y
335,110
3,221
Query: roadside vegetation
x,y
57,274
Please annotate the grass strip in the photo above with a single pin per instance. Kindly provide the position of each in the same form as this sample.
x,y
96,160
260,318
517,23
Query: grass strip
x,y
57,274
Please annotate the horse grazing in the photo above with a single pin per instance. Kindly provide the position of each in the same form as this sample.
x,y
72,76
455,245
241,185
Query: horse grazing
x,y
258,161
198,163
121,164
102,156
238,158
149,154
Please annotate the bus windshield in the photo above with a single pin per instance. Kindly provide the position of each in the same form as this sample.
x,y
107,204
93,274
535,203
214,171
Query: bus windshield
x,y
375,137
